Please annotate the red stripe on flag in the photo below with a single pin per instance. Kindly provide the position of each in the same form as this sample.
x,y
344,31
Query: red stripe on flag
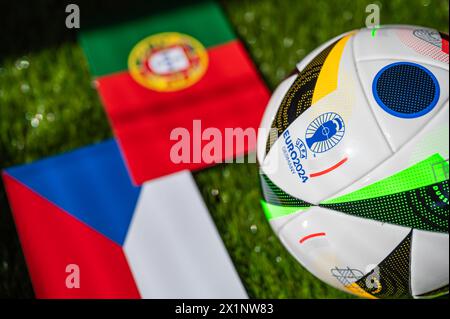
x,y
230,95
51,239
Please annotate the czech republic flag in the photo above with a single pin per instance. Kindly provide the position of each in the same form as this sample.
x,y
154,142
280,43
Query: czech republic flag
x,y
88,232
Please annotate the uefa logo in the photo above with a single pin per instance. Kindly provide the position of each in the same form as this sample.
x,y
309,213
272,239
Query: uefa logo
x,y
325,132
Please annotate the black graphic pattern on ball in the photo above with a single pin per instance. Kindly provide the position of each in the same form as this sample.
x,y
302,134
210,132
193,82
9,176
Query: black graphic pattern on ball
x,y
299,97
391,278
424,208
276,196
405,89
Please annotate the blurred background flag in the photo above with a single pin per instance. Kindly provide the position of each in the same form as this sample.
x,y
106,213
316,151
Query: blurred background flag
x,y
142,230
162,70
153,241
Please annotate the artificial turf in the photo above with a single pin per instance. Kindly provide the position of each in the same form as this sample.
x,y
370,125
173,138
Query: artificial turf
x,y
48,105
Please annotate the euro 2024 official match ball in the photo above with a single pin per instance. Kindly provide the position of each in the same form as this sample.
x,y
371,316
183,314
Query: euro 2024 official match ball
x,y
354,170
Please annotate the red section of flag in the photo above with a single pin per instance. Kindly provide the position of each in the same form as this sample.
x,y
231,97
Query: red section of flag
x,y
230,95
51,239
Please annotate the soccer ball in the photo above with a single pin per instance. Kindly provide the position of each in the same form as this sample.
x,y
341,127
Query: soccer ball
x,y
353,156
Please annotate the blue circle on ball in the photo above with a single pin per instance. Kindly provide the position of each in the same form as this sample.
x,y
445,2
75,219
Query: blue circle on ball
x,y
406,90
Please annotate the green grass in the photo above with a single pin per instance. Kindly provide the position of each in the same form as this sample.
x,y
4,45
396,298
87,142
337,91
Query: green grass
x,y
48,106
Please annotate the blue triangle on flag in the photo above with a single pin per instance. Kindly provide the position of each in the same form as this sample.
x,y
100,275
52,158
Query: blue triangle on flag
x,y
92,184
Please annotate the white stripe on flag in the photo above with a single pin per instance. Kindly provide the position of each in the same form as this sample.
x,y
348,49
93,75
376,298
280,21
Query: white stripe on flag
x,y
173,247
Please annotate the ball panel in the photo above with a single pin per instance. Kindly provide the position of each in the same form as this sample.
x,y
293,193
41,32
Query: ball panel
x,y
391,278
426,42
402,43
429,261
300,95
310,56
337,248
406,90
278,223
401,106
428,142
278,206
332,144
269,115
442,291
303,162
423,208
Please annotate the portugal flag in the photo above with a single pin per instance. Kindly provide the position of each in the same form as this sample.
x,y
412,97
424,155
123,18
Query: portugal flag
x,y
164,70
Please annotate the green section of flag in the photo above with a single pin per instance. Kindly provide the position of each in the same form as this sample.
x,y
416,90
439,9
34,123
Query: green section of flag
x,y
432,170
107,48
275,211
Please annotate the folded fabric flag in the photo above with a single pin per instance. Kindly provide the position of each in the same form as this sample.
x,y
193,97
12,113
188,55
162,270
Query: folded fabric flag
x,y
81,210
164,70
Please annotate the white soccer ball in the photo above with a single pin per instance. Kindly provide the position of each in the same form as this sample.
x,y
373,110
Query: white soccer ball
x,y
355,169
